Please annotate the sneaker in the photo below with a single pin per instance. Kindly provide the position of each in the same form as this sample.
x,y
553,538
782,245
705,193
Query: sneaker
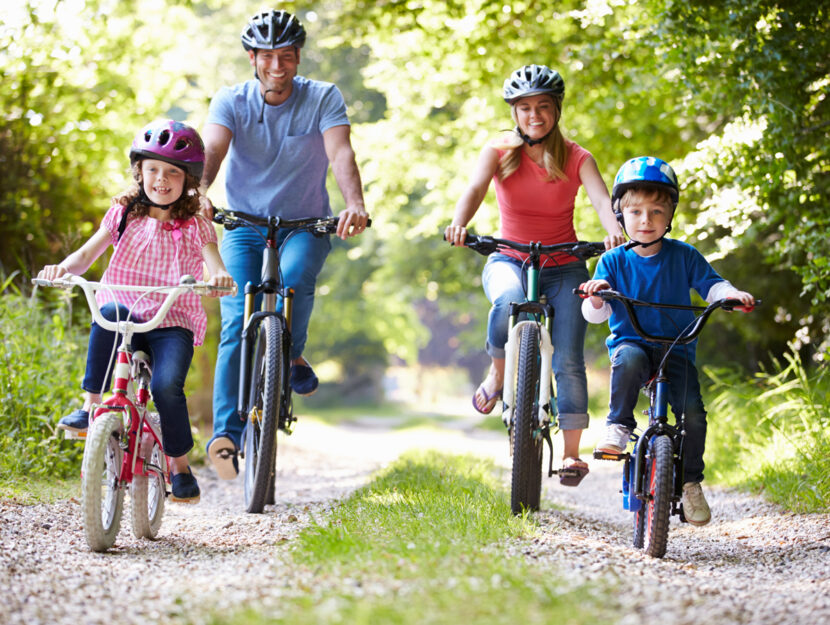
x,y
615,439
303,380
695,508
222,452
185,488
78,421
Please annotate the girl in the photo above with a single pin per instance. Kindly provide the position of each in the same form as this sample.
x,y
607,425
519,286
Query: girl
x,y
158,237
537,174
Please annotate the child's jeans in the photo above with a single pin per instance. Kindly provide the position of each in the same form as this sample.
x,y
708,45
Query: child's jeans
x,y
170,351
632,364
504,282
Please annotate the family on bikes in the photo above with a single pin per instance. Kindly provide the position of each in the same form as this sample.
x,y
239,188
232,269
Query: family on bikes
x,y
278,134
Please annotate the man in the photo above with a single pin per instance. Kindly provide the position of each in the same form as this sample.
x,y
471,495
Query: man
x,y
280,132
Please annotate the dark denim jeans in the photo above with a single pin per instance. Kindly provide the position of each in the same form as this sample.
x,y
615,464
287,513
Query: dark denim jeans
x,y
632,364
170,351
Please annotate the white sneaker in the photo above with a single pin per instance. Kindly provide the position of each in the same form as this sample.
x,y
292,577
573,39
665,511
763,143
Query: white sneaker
x,y
695,508
615,439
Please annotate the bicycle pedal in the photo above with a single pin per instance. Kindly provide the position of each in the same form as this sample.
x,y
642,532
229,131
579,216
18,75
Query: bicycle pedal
x,y
74,436
606,455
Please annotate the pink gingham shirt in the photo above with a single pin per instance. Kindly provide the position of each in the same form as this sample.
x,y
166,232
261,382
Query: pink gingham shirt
x,y
155,253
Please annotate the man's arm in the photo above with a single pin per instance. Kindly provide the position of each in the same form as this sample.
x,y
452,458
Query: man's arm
x,y
339,151
217,140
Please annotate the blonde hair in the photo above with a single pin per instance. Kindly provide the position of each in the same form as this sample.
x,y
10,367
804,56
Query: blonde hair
x,y
185,207
638,194
555,155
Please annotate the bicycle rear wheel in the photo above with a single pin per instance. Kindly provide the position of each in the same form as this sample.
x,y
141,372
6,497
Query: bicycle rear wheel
x,y
102,494
658,508
147,493
263,418
526,482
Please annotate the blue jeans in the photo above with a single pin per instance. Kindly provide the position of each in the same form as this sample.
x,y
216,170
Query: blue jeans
x,y
170,351
301,260
632,364
503,281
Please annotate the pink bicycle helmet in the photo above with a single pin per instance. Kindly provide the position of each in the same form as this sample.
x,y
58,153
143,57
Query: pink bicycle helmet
x,y
173,142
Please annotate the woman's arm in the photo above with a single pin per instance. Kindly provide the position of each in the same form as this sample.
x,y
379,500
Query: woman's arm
x,y
598,194
473,196
81,259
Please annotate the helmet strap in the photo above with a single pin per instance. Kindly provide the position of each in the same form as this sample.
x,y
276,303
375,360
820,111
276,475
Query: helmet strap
x,y
262,109
144,199
528,140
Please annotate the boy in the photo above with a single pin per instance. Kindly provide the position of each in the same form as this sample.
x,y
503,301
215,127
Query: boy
x,y
658,269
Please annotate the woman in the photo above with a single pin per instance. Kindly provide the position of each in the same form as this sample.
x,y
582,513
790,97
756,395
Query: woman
x,y
537,174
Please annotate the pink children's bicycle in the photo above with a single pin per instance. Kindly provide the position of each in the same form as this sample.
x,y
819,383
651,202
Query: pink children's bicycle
x,y
123,444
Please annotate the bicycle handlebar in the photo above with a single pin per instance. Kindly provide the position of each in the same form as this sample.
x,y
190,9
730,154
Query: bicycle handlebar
x,y
689,335
486,245
318,226
187,284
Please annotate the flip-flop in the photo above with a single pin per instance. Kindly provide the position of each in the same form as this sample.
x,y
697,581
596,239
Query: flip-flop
x,y
572,472
489,400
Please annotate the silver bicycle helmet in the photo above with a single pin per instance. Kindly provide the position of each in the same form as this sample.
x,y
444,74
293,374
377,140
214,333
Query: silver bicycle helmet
x,y
533,80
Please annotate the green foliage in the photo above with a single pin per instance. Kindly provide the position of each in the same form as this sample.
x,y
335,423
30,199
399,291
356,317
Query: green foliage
x,y
422,544
759,71
42,359
771,434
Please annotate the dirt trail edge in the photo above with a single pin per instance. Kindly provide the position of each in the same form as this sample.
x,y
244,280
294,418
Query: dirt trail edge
x,y
752,564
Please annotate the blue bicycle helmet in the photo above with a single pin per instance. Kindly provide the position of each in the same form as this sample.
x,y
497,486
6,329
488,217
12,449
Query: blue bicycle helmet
x,y
645,171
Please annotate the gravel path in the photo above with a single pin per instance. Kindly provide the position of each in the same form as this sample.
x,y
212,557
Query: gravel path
x,y
752,564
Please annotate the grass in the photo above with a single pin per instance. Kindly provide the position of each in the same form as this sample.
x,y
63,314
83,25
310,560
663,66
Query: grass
x,y
38,489
424,543
770,434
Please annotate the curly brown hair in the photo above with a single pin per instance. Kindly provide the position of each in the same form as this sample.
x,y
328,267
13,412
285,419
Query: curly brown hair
x,y
185,207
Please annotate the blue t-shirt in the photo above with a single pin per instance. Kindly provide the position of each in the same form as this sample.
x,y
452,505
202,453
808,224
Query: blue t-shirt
x,y
667,278
278,167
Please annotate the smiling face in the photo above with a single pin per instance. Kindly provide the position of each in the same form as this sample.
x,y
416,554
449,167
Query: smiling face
x,y
276,70
536,115
163,182
647,218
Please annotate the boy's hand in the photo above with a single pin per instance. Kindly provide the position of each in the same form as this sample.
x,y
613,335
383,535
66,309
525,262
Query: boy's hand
x,y
745,298
591,287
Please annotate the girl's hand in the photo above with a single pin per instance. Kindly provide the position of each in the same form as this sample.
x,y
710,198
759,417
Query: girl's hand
x,y
455,235
223,279
52,272
591,287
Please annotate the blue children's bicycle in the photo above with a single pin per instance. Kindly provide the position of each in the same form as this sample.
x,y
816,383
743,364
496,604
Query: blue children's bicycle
x,y
653,472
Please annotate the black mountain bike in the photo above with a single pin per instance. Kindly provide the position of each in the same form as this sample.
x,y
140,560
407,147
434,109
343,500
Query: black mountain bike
x,y
264,402
528,395
653,477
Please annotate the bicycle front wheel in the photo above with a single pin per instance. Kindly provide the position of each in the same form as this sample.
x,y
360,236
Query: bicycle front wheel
x,y
526,441
147,493
102,494
263,417
658,510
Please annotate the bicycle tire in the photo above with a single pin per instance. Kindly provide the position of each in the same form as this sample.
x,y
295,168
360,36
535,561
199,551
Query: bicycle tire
x,y
102,494
639,526
656,533
264,399
526,482
147,494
